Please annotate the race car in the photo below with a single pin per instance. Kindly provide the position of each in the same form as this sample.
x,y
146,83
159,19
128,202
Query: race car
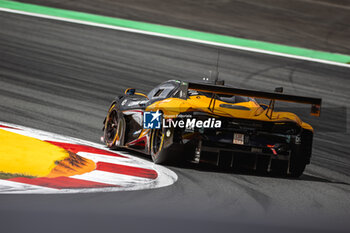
x,y
212,123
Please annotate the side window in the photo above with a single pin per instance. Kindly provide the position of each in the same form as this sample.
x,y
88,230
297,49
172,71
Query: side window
x,y
161,91
153,92
158,93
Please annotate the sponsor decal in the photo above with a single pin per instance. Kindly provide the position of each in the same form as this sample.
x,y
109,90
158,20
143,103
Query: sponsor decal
x,y
297,140
137,103
124,102
154,120
191,123
238,138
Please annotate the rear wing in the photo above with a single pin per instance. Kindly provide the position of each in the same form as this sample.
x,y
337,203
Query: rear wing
x,y
314,102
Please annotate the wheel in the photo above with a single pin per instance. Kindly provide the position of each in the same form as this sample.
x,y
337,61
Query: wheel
x,y
297,163
157,142
297,167
113,130
301,154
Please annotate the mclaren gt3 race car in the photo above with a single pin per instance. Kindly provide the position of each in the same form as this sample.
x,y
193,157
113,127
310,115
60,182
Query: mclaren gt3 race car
x,y
212,123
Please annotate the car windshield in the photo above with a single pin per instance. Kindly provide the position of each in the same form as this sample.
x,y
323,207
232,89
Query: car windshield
x,y
161,91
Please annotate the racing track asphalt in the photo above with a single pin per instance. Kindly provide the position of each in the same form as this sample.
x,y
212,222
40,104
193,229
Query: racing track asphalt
x,y
61,77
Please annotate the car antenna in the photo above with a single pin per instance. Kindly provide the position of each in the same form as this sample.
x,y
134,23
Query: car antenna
x,y
217,66
216,82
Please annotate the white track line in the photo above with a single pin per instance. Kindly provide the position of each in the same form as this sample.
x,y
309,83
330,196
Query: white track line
x,y
175,37
7,186
115,160
112,178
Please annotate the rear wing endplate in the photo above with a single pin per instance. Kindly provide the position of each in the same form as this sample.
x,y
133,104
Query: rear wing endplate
x,y
315,102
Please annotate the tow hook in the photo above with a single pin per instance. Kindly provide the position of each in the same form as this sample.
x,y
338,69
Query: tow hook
x,y
272,148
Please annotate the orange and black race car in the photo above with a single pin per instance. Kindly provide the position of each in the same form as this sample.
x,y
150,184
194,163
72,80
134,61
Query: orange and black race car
x,y
212,123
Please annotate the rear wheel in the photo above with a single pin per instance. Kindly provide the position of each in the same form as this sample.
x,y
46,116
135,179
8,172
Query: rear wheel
x,y
297,161
113,130
157,143
297,165
301,154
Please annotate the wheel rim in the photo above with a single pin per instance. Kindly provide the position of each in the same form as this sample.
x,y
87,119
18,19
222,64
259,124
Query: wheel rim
x,y
111,128
158,138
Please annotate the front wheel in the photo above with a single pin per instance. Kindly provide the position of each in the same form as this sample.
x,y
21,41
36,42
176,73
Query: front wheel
x,y
113,128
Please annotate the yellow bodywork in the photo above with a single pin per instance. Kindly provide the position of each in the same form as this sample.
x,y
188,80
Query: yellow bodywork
x,y
172,107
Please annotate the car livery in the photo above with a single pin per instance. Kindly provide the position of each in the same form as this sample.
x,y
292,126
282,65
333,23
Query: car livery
x,y
212,123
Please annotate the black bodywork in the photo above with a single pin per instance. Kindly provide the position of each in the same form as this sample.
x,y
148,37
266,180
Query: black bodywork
x,y
268,146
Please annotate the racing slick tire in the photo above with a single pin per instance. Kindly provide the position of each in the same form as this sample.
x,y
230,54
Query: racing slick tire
x,y
114,128
157,146
297,165
301,154
163,148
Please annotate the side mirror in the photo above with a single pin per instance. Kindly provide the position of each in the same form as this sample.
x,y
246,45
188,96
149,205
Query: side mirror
x,y
279,89
130,91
